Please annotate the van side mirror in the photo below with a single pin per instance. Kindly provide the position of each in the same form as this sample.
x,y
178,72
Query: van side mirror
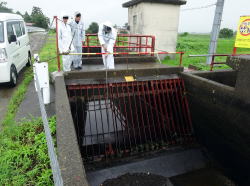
x,y
12,38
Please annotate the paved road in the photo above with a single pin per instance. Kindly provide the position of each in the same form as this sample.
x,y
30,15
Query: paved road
x,y
37,40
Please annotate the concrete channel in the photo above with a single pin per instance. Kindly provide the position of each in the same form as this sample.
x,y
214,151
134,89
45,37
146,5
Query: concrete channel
x,y
206,134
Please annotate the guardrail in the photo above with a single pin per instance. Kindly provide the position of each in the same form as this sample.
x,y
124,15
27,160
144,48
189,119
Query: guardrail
x,y
124,43
217,55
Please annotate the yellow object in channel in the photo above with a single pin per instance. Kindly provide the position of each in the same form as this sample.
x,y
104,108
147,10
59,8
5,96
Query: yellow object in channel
x,y
129,78
243,33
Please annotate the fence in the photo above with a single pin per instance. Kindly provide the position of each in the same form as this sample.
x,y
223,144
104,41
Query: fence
x,y
123,119
124,43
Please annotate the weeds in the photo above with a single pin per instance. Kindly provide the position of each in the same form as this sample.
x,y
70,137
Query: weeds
x,y
24,155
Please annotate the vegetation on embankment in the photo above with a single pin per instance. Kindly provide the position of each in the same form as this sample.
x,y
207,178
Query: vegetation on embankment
x,y
194,44
23,150
24,155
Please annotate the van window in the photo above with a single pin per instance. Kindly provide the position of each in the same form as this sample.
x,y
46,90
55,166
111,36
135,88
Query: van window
x,y
1,32
10,30
18,29
23,27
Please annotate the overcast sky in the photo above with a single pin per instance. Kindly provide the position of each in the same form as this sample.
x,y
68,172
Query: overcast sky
x,y
199,20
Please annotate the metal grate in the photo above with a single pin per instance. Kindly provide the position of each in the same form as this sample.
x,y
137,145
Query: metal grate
x,y
120,119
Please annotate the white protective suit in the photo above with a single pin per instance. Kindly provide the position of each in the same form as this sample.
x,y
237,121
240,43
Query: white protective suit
x,y
107,39
64,42
78,34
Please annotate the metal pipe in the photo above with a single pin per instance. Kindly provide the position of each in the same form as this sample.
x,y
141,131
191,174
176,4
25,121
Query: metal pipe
x,y
57,46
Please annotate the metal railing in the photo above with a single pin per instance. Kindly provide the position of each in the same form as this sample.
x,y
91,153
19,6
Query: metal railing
x,y
128,118
213,62
124,43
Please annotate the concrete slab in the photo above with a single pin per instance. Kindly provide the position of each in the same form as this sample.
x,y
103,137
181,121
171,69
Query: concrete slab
x,y
128,66
136,70
168,165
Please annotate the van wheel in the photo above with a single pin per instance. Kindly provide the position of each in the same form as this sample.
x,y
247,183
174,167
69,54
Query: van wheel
x,y
29,63
13,77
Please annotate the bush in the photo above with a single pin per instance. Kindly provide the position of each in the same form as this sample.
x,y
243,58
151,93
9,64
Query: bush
x,y
93,28
226,33
184,34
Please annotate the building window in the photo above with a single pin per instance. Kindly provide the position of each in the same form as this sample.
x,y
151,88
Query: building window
x,y
134,19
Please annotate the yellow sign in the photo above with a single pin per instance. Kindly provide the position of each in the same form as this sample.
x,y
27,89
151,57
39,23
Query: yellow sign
x,y
243,33
129,78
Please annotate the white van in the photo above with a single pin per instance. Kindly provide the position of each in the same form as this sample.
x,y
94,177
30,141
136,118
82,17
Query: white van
x,y
15,51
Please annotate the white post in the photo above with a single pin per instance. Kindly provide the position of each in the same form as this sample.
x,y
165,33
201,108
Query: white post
x,y
42,74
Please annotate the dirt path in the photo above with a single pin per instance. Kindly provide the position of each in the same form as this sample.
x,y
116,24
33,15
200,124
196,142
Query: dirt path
x,y
37,40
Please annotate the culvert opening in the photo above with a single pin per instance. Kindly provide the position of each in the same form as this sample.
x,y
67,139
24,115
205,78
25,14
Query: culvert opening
x,y
115,120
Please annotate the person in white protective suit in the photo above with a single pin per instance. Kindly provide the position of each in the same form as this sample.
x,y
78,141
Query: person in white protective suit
x,y
107,37
78,34
65,42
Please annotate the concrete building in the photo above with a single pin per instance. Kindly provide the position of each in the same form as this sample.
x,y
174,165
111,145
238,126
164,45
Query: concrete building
x,y
156,17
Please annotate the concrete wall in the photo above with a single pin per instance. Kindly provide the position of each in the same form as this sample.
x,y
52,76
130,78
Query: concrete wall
x,y
160,20
69,157
221,121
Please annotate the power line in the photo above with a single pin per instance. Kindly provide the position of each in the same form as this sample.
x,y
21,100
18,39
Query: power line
x,y
201,7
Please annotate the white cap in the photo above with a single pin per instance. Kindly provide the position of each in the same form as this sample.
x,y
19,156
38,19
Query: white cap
x,y
77,12
108,24
63,14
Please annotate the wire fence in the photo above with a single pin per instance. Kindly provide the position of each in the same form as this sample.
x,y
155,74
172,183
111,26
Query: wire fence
x,y
58,181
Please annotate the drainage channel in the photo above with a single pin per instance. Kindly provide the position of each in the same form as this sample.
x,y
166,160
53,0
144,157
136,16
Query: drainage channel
x,y
122,119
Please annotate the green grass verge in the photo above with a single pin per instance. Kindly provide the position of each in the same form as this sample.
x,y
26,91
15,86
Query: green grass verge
x,y
48,53
9,118
24,156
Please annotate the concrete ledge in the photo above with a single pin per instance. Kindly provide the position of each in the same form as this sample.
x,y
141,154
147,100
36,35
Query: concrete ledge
x,y
140,71
69,156
227,77
242,65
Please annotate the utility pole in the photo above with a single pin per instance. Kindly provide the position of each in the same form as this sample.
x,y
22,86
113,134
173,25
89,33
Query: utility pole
x,y
216,29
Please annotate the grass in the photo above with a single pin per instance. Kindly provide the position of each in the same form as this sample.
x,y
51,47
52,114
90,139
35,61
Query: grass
x,y
48,53
9,118
24,156
198,44
23,151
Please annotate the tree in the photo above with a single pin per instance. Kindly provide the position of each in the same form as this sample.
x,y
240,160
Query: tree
x,y
19,13
4,8
226,33
27,17
38,18
93,28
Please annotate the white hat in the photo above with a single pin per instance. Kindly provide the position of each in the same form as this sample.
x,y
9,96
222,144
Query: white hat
x,y
77,12
63,14
108,24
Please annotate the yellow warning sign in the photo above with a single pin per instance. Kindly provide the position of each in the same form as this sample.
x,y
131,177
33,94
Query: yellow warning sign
x,y
243,33
129,78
